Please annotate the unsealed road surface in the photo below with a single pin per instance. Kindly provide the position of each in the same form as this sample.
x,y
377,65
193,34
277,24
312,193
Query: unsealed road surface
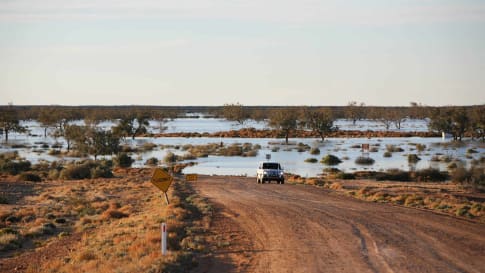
x,y
296,228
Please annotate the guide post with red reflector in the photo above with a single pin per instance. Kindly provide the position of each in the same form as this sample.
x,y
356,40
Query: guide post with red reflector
x,y
164,239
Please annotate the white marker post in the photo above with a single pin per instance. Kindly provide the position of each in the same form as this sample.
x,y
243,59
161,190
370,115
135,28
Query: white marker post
x,y
164,239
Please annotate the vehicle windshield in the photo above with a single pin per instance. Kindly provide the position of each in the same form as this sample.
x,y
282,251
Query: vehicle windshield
x,y
274,166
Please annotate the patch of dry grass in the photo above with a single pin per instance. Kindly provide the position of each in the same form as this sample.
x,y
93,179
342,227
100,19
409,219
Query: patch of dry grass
x,y
120,219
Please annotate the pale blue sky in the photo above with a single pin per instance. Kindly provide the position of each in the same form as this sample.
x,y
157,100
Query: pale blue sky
x,y
266,52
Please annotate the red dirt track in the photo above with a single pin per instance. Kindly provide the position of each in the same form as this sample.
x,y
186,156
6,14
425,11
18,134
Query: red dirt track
x,y
296,228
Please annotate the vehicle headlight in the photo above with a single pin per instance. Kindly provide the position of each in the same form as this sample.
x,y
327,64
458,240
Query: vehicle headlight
x,y
265,172
282,173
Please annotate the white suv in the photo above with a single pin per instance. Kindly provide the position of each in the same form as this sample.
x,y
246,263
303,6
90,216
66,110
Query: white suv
x,y
269,171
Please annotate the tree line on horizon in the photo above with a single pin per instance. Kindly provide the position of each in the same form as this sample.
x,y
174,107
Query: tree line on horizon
x,y
133,120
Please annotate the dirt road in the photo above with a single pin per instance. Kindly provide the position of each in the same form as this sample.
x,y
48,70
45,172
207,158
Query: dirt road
x,y
296,228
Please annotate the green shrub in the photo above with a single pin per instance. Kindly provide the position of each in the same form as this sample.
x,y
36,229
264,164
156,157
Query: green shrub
x,y
101,172
3,200
123,160
362,160
148,146
394,175
10,241
170,158
430,175
420,147
30,176
387,154
251,153
74,171
346,176
331,160
413,158
315,151
474,176
54,152
152,161
311,160
394,149
463,211
53,174
332,170
87,169
14,167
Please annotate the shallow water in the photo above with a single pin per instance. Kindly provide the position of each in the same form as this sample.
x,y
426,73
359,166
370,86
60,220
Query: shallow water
x,y
288,156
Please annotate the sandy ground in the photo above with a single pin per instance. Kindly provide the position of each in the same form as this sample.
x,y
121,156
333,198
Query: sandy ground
x,y
298,228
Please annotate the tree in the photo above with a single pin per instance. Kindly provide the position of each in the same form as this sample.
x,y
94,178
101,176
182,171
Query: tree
x,y
454,121
354,111
235,112
284,120
478,122
47,119
141,124
75,133
62,117
9,121
162,117
397,117
319,120
132,125
103,143
93,141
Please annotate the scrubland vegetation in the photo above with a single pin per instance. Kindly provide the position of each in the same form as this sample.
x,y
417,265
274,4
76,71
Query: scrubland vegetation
x,y
453,198
108,223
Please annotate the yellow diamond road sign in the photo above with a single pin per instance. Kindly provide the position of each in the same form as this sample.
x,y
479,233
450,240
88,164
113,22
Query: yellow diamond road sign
x,y
161,179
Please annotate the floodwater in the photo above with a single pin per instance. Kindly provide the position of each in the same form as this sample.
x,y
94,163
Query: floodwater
x,y
347,149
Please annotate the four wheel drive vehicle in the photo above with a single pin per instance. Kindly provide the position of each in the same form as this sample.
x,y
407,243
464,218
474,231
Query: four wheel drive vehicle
x,y
269,171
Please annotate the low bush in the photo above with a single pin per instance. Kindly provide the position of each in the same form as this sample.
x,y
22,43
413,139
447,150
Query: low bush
x,y
332,170
362,160
311,160
430,175
394,149
346,176
30,176
54,152
170,158
413,158
123,160
315,151
387,154
148,146
10,241
152,161
331,160
420,147
374,150
3,199
394,175
75,171
475,176
86,169
14,167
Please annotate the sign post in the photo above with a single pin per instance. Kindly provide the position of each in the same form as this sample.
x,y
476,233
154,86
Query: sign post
x,y
162,180
365,149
